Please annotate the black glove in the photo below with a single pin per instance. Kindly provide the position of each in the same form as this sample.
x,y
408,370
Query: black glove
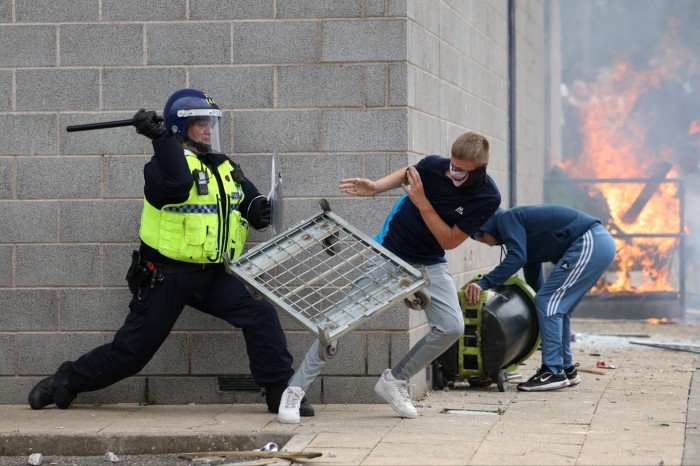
x,y
148,124
260,213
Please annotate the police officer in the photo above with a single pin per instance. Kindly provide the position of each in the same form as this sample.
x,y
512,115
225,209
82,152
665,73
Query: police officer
x,y
197,206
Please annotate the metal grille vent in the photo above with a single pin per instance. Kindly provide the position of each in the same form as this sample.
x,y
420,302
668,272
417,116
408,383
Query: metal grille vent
x,y
231,383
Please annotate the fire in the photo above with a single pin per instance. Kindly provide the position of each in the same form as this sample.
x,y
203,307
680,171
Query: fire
x,y
662,321
613,148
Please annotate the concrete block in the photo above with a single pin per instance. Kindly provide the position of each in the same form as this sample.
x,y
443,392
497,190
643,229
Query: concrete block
x,y
121,141
137,10
58,89
219,353
6,86
101,44
199,390
364,130
57,265
7,354
5,11
357,390
94,309
396,317
375,85
37,11
245,87
135,88
350,358
375,8
6,266
100,221
14,390
116,259
375,166
194,44
318,8
28,222
298,343
274,42
58,177
34,359
172,357
130,390
27,134
320,86
318,175
264,131
377,352
399,7
231,9
423,49
28,45
7,178
398,84
123,176
376,40
29,310
401,343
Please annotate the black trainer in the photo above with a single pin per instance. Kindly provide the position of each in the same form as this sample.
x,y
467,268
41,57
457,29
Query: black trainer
x,y
53,389
572,375
273,396
544,380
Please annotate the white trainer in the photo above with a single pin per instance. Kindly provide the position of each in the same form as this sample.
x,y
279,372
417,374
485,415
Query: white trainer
x,y
396,394
289,405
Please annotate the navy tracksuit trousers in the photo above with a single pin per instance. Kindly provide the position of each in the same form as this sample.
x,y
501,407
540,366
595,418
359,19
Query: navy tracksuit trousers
x,y
583,263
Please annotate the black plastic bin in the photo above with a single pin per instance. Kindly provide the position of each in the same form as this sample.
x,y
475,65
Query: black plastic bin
x,y
500,332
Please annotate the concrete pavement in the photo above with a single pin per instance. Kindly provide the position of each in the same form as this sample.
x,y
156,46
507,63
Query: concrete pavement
x,y
645,410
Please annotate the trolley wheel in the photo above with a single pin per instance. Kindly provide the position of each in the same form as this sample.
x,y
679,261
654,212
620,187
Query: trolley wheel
x,y
253,292
479,382
502,380
325,205
329,351
417,301
438,376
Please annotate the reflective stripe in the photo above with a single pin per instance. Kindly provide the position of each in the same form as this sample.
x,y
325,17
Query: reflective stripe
x,y
194,209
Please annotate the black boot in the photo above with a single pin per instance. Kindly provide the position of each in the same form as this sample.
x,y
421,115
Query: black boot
x,y
273,395
305,409
53,390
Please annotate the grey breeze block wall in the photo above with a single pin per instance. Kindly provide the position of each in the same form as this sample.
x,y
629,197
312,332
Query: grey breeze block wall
x,y
343,88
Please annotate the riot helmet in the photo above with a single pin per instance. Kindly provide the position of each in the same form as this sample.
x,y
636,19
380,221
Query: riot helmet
x,y
194,117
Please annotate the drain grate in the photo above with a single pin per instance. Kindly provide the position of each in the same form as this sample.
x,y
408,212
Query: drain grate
x,y
233,383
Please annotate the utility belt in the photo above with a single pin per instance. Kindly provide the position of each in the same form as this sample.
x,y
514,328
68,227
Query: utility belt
x,y
143,275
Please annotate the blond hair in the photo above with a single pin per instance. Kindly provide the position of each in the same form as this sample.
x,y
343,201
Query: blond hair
x,y
471,146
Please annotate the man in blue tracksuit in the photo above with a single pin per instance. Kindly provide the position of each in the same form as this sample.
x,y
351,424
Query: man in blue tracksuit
x,y
581,249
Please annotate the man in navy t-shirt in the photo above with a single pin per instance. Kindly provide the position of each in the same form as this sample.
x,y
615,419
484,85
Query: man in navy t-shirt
x,y
446,201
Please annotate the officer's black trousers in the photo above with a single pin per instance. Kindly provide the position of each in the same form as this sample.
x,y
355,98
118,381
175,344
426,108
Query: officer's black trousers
x,y
151,319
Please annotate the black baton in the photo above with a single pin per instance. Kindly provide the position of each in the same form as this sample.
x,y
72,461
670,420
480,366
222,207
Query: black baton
x,y
103,125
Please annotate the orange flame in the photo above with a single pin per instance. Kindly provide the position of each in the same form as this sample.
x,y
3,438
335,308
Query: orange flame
x,y
613,147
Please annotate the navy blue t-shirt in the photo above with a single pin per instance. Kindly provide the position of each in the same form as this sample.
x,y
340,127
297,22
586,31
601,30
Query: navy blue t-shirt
x,y
404,232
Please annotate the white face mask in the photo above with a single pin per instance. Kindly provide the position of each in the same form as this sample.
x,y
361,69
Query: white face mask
x,y
458,176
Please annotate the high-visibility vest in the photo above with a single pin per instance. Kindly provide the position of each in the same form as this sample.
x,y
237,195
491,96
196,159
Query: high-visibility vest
x,y
204,226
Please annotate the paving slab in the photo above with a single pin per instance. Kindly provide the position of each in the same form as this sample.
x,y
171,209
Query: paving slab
x,y
644,411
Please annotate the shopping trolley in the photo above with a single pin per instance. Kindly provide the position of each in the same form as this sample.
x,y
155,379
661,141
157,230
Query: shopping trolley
x,y
329,276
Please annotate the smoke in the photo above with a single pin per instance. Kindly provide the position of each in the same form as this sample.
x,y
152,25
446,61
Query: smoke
x,y
634,67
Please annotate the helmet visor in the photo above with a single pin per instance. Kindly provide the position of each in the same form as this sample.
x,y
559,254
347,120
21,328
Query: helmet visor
x,y
202,127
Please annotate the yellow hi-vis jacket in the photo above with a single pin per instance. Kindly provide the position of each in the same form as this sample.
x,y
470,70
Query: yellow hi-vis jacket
x,y
204,226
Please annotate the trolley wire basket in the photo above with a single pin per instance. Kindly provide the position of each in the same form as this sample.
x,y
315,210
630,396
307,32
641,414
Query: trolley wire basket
x,y
329,276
